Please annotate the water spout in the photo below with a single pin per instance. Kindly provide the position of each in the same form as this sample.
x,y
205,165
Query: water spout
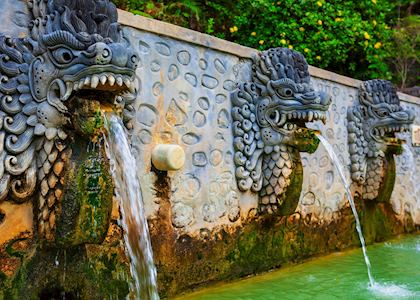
x,y
136,231
346,185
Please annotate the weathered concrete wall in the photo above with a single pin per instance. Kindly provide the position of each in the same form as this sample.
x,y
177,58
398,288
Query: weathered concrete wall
x,y
203,228
184,99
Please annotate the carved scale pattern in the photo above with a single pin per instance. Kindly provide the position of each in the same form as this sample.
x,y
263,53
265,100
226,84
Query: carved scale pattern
x,y
278,166
51,160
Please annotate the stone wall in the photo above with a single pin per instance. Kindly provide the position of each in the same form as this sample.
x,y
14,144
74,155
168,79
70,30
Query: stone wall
x,y
203,227
185,86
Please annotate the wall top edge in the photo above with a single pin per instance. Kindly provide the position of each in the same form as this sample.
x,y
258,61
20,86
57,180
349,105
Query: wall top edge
x,y
202,39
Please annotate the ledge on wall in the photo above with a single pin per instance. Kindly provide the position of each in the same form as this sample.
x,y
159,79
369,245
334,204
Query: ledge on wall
x,y
205,40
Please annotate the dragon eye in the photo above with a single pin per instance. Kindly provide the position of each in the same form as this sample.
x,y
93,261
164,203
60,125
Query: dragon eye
x,y
62,55
382,113
285,92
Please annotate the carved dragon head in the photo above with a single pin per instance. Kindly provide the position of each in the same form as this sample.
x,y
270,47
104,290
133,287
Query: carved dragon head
x,y
287,99
74,60
372,127
269,123
79,49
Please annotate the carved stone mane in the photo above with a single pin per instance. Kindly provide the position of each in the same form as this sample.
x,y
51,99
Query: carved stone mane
x,y
269,116
372,126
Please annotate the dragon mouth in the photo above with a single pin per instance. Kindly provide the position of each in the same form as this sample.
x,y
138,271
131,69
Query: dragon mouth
x,y
386,133
104,82
107,87
291,121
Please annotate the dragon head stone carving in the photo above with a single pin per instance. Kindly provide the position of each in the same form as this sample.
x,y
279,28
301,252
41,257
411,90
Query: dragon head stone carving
x,y
372,126
75,53
269,130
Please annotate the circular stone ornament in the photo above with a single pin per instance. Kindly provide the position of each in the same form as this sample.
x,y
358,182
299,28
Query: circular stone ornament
x,y
168,157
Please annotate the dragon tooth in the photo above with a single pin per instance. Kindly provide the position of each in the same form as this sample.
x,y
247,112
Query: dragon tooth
x,y
87,81
76,86
127,82
119,81
69,90
304,115
94,81
111,80
310,116
382,131
299,114
103,79
295,115
316,116
132,88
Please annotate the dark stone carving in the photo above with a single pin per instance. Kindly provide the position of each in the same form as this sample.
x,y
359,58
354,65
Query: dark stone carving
x,y
75,56
372,143
269,116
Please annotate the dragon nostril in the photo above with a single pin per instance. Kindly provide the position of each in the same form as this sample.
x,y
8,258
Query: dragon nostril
x,y
134,59
105,53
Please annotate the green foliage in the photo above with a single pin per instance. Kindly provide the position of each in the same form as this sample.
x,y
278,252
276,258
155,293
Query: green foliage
x,y
343,36
405,51
354,38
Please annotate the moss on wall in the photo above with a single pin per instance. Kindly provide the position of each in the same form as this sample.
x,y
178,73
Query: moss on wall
x,y
260,244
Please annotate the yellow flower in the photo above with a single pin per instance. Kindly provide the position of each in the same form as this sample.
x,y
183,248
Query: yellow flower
x,y
319,22
378,45
366,35
318,57
283,34
319,3
374,22
278,2
301,29
235,28
231,30
366,43
290,47
340,13
261,42
283,41
253,33
387,27
338,19
374,1
306,50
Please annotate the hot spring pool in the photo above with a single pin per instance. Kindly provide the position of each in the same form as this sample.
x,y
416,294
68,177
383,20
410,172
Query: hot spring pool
x,y
395,267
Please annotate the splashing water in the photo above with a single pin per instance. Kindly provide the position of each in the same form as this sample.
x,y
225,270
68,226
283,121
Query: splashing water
x,y
136,231
346,185
391,291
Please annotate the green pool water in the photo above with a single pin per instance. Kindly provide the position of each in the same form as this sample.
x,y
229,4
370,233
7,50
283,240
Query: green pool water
x,y
395,266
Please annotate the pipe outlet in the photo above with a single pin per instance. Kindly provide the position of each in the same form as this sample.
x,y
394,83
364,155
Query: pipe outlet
x,y
166,157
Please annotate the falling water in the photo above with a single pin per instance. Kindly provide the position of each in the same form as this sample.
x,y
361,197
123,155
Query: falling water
x,y
136,232
346,185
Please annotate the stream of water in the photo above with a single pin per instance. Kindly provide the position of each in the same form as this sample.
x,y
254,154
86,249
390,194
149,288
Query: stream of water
x,y
374,286
339,168
134,222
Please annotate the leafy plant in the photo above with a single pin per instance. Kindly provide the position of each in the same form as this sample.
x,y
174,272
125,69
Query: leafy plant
x,y
354,38
405,50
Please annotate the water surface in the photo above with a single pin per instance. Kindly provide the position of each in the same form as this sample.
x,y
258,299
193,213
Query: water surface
x,y
395,266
